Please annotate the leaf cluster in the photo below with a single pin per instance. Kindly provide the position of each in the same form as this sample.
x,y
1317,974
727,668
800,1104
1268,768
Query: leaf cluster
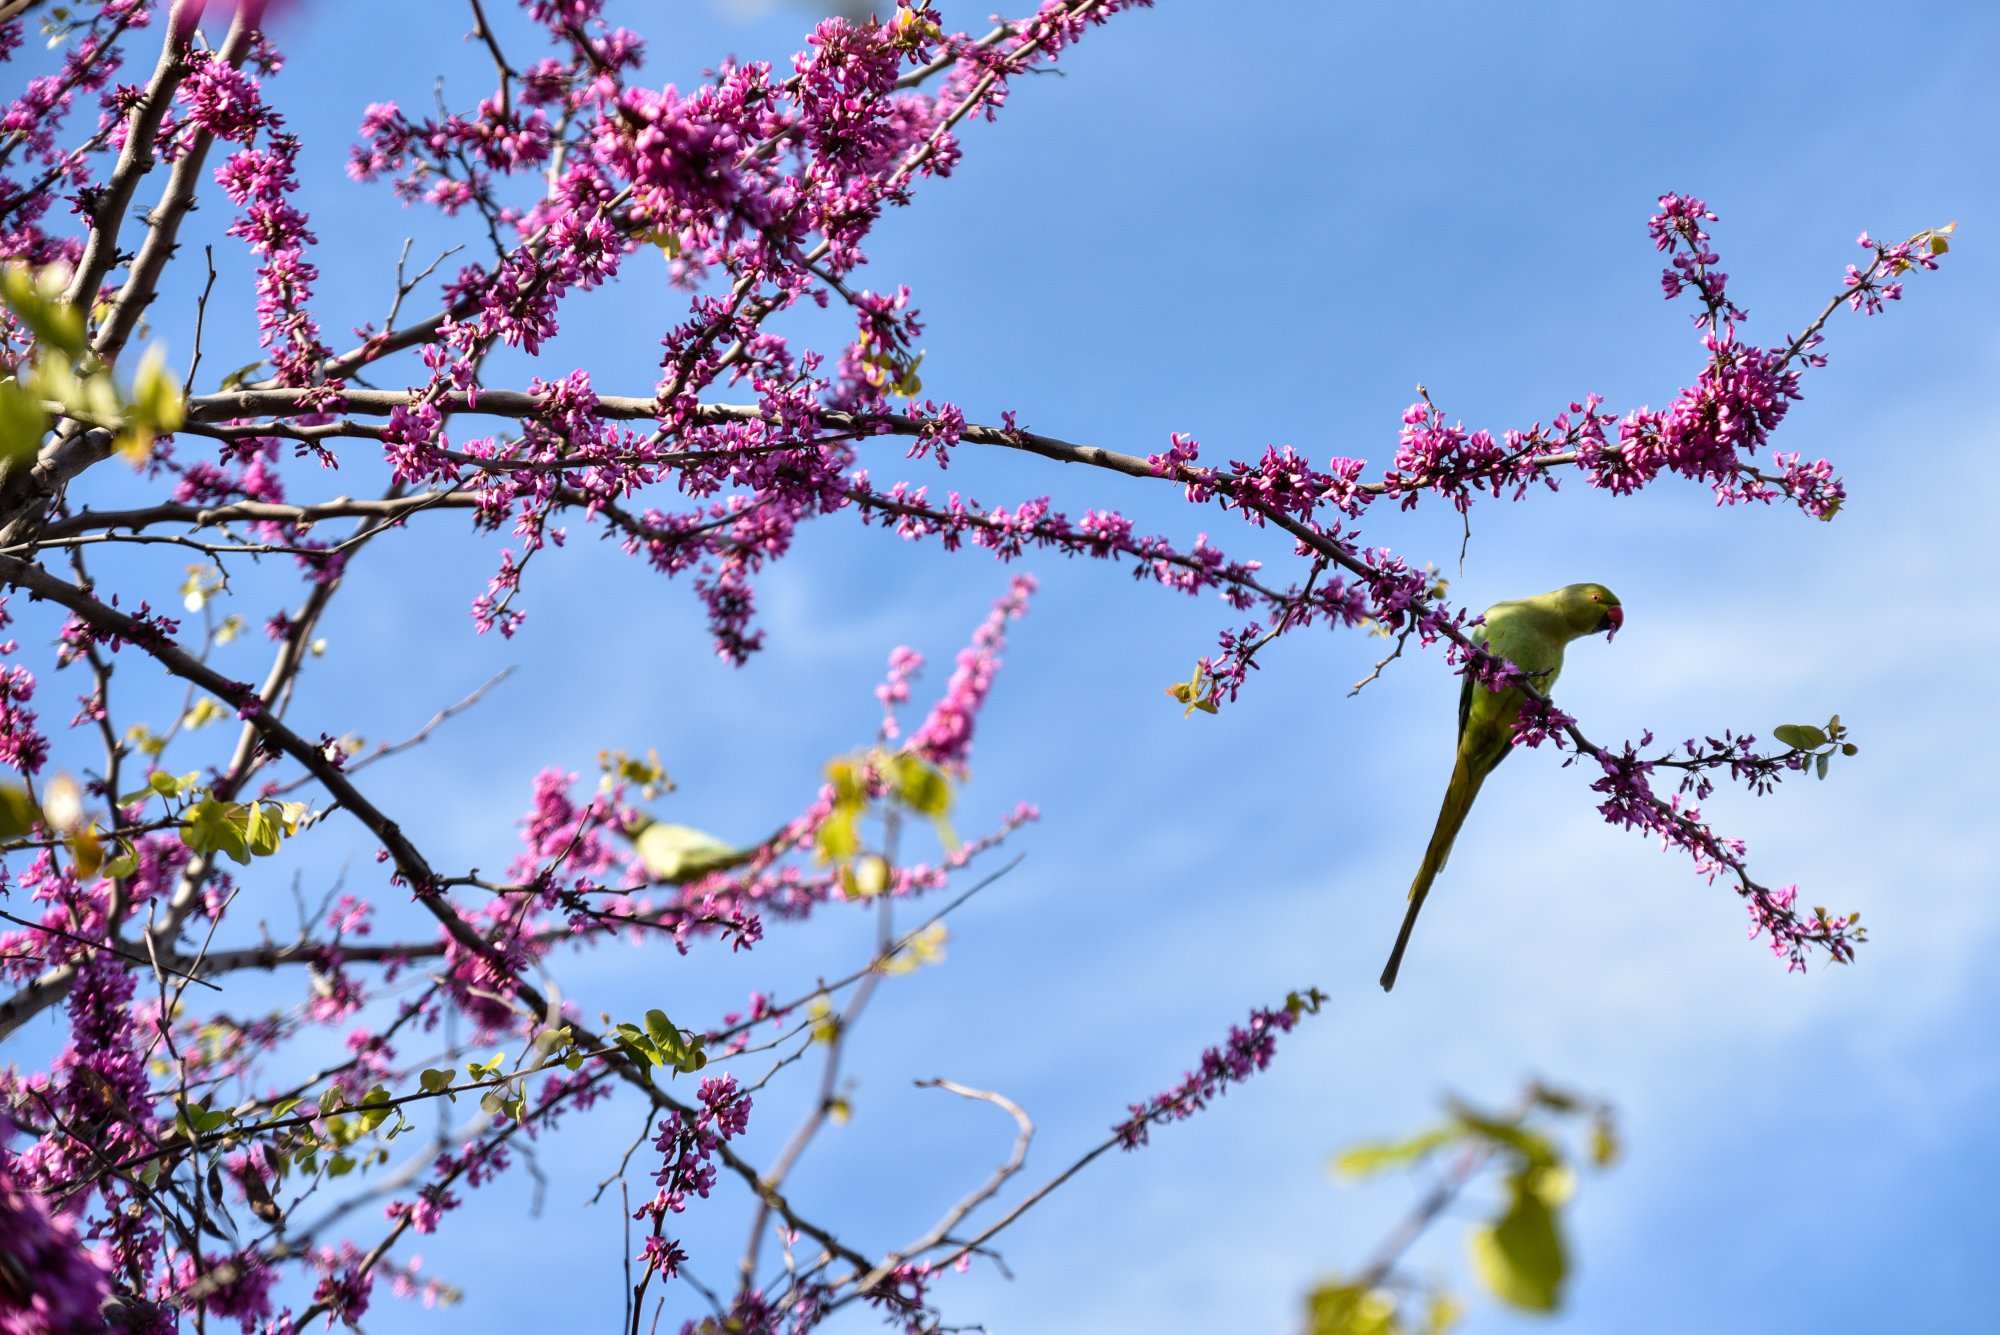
x,y
64,371
1518,1253
1816,746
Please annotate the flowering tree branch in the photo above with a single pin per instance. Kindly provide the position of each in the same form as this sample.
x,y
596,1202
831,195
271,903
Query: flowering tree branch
x,y
163,1123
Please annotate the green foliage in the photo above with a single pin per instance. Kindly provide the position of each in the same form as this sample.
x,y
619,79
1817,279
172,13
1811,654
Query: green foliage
x,y
35,298
661,1043
18,812
891,783
1820,744
1518,1254
1359,1161
1799,736
242,830
646,775
23,423
66,372
155,406
1194,693
925,789
1350,1309
240,376
890,368
825,1019
915,951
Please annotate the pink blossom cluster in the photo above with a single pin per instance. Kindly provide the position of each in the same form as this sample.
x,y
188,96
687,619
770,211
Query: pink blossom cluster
x,y
31,123
1630,801
945,736
1248,1050
54,1282
687,1142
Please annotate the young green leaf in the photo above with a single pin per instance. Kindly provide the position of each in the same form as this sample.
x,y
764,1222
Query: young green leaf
x,y
23,424
1367,1160
919,785
1348,1309
1799,736
1520,1257
18,812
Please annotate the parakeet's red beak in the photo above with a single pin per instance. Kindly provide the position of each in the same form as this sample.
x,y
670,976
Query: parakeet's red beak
x,y
1614,618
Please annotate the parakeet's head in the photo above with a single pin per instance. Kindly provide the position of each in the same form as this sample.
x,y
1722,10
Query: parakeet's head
x,y
1590,609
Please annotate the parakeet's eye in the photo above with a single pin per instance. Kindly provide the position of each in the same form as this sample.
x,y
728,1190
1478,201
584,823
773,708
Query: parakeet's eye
x,y
1595,598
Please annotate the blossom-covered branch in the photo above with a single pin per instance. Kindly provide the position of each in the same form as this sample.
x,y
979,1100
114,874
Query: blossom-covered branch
x,y
139,849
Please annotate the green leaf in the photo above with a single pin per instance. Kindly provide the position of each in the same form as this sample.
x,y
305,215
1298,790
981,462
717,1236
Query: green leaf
x,y
634,1040
156,396
838,839
1555,1100
1520,1258
238,376
37,299
678,853
1369,1159
1534,1149
87,852
665,1037
374,1117
692,1059
216,827
1193,694
1799,736
1603,1141
1551,1184
920,786
1441,1314
850,788
433,1080
260,830
918,949
23,424
868,877
122,866
18,812
1821,762
825,1020
1348,1309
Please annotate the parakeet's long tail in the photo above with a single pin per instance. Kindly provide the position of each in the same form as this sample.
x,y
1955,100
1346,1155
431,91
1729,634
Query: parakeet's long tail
x,y
1457,802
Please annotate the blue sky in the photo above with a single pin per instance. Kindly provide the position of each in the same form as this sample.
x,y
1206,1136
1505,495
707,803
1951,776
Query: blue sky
x,y
1266,224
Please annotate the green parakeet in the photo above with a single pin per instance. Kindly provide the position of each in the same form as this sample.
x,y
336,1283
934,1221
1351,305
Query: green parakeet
x,y
1530,633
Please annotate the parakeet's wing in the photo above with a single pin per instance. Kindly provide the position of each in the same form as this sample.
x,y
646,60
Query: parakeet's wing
x,y
1521,634
1466,688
